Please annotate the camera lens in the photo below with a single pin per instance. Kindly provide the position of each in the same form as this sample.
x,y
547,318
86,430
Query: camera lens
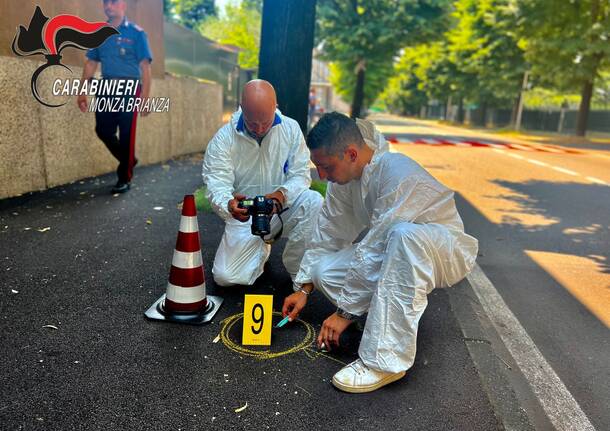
x,y
260,225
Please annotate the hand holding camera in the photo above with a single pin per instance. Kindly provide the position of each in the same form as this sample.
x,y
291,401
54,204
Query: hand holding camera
x,y
238,213
261,208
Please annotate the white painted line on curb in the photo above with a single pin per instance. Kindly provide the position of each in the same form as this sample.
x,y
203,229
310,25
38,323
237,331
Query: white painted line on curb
x,y
516,156
558,403
498,151
565,171
536,162
597,180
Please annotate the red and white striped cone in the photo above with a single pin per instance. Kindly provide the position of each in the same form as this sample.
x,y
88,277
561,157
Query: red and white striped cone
x,y
185,300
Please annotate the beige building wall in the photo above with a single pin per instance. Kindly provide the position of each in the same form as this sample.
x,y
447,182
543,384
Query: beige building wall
x,y
43,147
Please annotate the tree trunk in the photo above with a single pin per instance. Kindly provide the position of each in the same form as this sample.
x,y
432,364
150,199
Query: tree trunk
x,y
460,118
358,100
484,114
583,110
587,88
285,54
515,110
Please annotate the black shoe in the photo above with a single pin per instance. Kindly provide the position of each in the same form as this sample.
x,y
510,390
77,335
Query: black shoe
x,y
120,187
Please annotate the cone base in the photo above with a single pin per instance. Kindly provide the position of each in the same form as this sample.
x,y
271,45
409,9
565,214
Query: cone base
x,y
155,312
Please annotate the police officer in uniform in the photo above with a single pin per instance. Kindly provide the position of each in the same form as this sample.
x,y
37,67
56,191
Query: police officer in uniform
x,y
124,56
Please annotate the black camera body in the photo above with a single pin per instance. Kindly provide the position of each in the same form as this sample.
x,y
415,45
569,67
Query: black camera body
x,y
260,208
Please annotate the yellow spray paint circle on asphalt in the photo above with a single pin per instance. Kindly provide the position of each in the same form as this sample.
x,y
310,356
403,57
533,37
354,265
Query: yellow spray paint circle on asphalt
x,y
229,322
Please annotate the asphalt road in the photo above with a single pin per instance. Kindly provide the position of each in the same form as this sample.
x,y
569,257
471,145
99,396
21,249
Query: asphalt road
x,y
90,264
542,216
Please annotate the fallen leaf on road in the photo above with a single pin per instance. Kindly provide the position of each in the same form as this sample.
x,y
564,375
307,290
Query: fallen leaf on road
x,y
165,167
51,327
44,229
179,206
14,291
217,339
27,228
115,195
241,409
148,221
158,208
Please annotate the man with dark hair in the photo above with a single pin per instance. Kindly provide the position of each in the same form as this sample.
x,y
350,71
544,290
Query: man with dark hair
x,y
124,56
413,240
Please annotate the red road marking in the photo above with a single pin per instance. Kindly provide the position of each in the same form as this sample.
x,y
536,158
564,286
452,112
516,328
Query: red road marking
x,y
472,143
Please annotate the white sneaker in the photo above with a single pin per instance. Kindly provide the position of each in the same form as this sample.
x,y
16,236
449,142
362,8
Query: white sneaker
x,y
357,378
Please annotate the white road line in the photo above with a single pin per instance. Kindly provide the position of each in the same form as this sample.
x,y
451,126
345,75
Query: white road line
x,y
565,171
596,180
536,162
521,147
558,403
498,151
516,156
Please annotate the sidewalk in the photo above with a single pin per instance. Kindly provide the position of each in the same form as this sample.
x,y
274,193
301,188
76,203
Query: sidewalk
x,y
90,264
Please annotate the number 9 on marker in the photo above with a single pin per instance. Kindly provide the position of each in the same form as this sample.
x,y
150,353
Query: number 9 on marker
x,y
258,315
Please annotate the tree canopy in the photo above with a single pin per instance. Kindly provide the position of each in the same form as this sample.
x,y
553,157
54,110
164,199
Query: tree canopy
x,y
363,34
240,26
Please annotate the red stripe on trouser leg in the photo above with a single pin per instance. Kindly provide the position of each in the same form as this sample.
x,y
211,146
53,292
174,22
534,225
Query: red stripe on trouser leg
x,y
188,206
186,277
132,141
195,307
188,242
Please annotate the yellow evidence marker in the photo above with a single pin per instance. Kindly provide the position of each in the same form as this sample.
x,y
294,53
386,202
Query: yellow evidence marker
x,y
258,315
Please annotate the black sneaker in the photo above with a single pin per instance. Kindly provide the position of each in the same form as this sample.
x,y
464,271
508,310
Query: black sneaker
x,y
120,187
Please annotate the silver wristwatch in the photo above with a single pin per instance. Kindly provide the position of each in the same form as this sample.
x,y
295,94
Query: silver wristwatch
x,y
342,313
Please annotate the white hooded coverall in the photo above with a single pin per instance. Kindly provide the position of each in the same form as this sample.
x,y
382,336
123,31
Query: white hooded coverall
x,y
414,243
234,162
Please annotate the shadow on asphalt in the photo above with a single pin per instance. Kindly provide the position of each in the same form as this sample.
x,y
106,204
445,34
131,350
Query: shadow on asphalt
x,y
571,338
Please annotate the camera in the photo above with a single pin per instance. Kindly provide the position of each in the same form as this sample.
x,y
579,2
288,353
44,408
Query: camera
x,y
260,208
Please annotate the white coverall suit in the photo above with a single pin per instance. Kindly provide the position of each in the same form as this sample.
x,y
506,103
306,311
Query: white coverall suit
x,y
234,162
415,242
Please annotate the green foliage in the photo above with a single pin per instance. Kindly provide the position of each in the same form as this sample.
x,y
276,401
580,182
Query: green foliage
x,y
240,26
371,32
167,9
343,79
542,98
566,42
191,13
201,202
410,87
319,186
478,60
484,47
253,4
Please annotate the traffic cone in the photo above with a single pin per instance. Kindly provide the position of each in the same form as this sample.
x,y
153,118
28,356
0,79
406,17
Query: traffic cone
x,y
185,300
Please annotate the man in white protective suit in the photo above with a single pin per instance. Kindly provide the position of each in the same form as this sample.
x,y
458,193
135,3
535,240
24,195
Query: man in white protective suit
x,y
260,152
413,240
